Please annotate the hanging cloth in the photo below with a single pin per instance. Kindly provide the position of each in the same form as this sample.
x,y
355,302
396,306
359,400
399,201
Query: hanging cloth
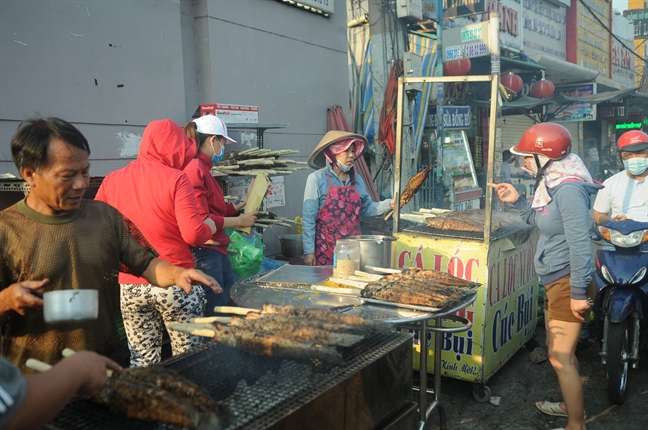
x,y
387,131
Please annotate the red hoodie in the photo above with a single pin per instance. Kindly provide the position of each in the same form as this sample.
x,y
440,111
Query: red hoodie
x,y
158,197
210,199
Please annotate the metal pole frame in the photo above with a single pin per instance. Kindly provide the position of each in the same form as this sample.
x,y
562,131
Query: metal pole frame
x,y
494,80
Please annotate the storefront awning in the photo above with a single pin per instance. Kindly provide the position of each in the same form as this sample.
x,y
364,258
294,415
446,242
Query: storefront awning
x,y
525,102
562,72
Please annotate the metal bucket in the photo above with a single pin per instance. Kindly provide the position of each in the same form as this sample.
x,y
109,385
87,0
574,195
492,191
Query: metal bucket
x,y
291,245
375,251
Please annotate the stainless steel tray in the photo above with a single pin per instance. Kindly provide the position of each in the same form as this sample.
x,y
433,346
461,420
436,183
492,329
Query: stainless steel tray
x,y
415,307
287,275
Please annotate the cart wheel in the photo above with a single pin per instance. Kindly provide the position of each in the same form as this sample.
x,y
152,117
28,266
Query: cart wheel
x,y
481,393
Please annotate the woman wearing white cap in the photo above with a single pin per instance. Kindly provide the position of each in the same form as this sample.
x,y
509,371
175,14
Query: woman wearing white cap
x,y
210,134
335,197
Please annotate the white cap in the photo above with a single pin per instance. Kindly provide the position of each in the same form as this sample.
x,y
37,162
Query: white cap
x,y
212,125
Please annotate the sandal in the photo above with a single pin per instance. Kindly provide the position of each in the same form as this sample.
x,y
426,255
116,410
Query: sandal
x,y
551,408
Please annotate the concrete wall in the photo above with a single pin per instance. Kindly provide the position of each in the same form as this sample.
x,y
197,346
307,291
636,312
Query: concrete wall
x,y
111,67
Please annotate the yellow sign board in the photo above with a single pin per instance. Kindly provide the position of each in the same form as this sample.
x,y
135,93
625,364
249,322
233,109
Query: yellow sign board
x,y
504,313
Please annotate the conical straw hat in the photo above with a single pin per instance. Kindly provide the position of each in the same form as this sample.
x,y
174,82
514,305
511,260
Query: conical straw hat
x,y
317,160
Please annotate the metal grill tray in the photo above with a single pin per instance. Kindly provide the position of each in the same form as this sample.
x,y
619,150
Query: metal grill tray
x,y
260,391
416,307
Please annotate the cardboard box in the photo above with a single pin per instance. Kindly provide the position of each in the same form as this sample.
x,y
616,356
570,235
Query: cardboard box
x,y
230,113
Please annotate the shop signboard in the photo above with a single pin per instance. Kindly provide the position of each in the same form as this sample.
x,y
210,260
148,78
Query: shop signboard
x,y
320,6
576,111
504,315
456,117
545,29
509,34
457,8
592,47
466,42
622,58
639,18
617,109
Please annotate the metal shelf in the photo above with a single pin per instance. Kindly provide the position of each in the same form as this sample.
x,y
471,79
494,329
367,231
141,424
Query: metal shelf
x,y
22,186
259,127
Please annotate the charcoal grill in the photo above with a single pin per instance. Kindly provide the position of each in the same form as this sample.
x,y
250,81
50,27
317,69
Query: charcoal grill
x,y
516,232
372,388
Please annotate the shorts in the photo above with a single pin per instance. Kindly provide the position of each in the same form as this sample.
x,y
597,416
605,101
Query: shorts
x,y
557,300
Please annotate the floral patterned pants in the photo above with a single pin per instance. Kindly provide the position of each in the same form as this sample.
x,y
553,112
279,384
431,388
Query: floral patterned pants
x,y
146,309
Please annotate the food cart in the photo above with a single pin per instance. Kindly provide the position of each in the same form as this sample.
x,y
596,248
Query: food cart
x,y
499,255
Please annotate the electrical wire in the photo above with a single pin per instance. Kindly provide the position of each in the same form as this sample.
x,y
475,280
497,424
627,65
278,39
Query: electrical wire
x,y
612,34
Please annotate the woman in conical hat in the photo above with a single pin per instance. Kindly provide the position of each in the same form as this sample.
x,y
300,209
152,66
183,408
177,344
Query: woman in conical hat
x,y
335,197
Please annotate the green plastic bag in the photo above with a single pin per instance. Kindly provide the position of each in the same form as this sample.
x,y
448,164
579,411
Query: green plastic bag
x,y
246,261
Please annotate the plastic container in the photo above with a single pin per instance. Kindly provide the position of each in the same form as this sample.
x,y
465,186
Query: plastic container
x,y
346,258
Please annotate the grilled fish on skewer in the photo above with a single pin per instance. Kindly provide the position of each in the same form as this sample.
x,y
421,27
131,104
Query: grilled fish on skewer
x,y
140,400
148,402
318,323
169,380
440,277
302,330
419,287
262,343
412,187
324,314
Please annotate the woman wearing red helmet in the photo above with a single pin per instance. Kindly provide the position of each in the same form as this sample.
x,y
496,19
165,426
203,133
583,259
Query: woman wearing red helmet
x,y
625,195
560,210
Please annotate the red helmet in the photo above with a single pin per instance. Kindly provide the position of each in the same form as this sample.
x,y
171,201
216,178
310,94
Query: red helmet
x,y
633,141
547,138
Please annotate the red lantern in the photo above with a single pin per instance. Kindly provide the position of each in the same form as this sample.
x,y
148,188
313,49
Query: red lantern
x,y
542,89
452,68
465,65
513,83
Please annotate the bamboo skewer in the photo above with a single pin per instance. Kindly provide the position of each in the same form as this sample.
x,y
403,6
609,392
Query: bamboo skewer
x,y
204,330
383,269
335,290
354,284
210,320
368,276
67,352
234,310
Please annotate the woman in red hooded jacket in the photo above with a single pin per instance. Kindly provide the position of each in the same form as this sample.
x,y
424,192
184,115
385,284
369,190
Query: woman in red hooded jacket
x,y
158,198
210,134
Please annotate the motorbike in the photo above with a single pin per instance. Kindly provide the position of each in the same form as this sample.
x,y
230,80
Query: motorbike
x,y
621,303
607,169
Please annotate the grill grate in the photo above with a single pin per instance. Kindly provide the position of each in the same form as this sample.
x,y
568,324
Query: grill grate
x,y
260,391
424,230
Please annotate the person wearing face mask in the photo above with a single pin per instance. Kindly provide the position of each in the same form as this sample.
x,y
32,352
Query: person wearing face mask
x,y
210,134
156,196
563,258
335,197
625,195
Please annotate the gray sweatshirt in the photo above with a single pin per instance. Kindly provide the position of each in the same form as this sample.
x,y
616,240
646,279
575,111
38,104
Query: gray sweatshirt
x,y
564,246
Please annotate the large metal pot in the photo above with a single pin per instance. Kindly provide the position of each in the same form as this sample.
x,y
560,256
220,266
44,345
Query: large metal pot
x,y
70,305
291,245
375,250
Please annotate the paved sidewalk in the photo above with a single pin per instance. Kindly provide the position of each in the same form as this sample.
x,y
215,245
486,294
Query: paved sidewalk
x,y
520,383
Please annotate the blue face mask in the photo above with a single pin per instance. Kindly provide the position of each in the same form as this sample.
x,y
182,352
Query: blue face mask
x,y
216,158
636,166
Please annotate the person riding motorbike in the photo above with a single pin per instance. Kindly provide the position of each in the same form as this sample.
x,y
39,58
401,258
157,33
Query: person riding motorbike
x,y
625,195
